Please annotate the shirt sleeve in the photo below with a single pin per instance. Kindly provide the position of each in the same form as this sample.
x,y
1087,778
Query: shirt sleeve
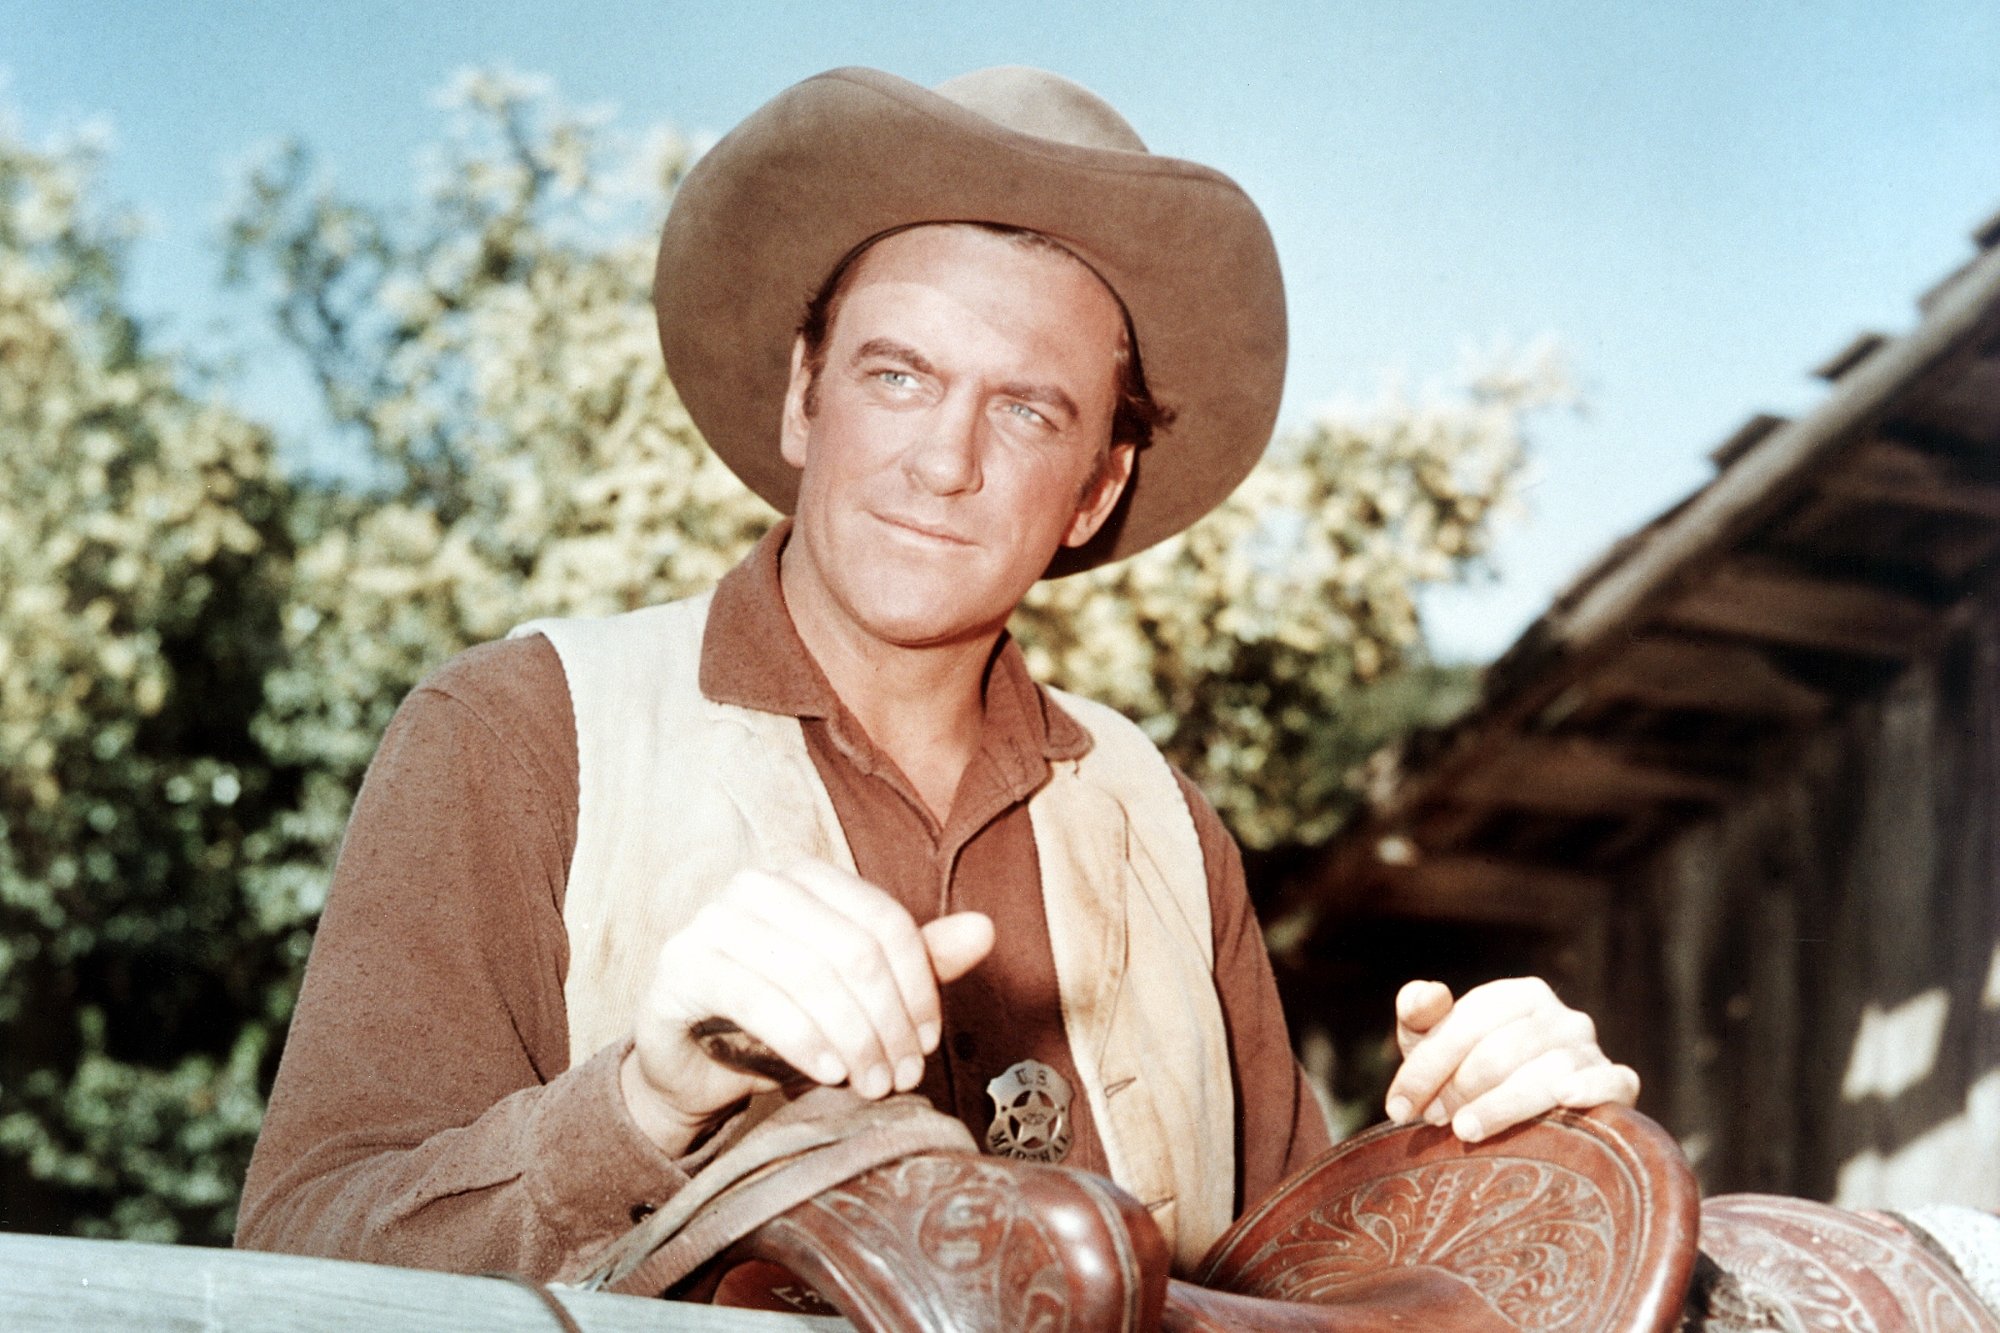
x,y
425,1112
1279,1125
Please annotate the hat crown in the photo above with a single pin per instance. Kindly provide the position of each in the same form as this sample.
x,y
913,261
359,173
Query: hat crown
x,y
1048,106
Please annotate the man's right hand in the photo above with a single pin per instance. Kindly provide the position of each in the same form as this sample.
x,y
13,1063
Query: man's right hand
x,y
821,966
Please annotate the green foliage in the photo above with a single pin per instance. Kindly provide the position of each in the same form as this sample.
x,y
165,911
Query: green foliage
x,y
1246,645
143,562
495,358
198,654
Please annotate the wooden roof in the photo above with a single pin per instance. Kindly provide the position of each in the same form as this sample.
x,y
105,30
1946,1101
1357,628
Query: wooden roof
x,y
1825,554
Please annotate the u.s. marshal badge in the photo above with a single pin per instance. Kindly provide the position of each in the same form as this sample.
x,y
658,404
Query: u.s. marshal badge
x,y
1030,1114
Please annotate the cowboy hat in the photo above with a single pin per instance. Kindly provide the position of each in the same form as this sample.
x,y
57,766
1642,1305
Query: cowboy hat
x,y
766,215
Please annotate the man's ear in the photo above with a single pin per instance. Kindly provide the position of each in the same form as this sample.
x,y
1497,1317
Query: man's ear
x,y
1101,496
795,423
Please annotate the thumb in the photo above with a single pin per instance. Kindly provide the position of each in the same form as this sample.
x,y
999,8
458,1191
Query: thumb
x,y
958,943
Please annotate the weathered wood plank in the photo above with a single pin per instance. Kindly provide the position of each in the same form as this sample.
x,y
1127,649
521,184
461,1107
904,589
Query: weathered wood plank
x,y
54,1284
1778,607
1746,437
1741,497
1577,776
1733,678
1862,346
1485,890
1932,379
1887,472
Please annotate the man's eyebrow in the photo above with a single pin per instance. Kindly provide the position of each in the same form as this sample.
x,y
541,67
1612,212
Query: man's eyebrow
x,y
1042,395
891,350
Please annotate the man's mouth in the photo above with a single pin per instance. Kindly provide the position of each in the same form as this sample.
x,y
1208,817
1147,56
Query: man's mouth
x,y
917,528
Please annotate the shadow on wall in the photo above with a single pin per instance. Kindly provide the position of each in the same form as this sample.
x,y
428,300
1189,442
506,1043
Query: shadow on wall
x,y
1891,1074
1810,979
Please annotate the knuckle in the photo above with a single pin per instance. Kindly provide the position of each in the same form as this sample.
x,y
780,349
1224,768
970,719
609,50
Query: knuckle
x,y
782,1027
857,957
1481,1069
886,915
1422,1073
746,885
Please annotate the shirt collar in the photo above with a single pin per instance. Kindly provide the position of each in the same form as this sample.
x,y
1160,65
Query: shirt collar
x,y
752,657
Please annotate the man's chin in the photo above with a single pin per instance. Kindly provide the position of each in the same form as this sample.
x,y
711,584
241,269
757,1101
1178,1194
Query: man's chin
x,y
935,619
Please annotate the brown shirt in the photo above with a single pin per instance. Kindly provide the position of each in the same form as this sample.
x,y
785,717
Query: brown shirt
x,y
424,1112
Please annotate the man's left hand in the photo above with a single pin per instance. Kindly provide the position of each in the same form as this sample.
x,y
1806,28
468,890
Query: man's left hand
x,y
1503,1053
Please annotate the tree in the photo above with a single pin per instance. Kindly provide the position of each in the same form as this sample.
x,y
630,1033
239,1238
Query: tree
x,y
1269,648
495,362
142,565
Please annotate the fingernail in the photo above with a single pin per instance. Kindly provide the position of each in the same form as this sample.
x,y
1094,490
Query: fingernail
x,y
1434,1114
909,1072
828,1070
1400,1110
927,1036
874,1083
1468,1128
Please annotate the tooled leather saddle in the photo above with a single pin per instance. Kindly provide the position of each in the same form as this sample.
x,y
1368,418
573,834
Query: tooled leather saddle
x,y
1587,1222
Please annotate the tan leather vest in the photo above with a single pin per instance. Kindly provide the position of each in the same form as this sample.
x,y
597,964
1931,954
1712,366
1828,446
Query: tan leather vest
x,y
677,793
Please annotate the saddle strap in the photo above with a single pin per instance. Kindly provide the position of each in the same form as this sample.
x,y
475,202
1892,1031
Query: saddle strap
x,y
822,1138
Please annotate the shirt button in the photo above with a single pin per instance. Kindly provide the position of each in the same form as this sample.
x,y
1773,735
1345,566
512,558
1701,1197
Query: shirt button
x,y
964,1045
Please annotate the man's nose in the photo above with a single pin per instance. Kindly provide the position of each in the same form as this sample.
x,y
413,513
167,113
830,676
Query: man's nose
x,y
945,460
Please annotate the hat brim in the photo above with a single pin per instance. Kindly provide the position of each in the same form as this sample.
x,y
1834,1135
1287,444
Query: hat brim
x,y
763,217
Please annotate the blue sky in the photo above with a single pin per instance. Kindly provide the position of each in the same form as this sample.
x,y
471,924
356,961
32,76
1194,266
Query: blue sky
x,y
1699,200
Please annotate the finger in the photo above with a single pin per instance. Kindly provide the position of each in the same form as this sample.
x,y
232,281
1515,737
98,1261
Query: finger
x,y
1420,1006
957,944
845,953
1513,1045
895,934
1528,1092
747,996
1599,1085
1430,1064
848,1046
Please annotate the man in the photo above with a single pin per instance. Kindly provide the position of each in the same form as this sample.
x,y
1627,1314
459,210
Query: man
x,y
825,803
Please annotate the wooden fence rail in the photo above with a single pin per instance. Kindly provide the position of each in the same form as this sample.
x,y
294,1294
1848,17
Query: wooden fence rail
x,y
54,1284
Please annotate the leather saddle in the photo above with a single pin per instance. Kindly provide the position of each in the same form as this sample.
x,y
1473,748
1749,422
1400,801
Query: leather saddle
x,y
1588,1222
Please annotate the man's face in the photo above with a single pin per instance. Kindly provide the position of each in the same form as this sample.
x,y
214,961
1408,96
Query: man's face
x,y
956,434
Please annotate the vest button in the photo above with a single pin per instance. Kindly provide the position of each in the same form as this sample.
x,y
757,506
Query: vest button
x,y
964,1045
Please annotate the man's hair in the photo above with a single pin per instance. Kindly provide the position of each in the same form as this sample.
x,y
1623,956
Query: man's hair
x,y
1134,416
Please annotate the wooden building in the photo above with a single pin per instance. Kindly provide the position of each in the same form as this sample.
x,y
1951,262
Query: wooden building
x,y
1738,790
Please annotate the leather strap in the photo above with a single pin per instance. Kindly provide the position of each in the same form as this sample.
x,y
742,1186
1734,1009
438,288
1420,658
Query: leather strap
x,y
824,1137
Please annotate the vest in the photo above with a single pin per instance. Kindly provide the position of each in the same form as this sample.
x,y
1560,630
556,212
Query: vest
x,y
676,793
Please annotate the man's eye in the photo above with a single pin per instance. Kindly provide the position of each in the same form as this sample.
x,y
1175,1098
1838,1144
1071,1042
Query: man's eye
x,y
1028,414
897,379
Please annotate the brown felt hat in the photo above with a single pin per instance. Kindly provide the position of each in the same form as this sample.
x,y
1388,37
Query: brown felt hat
x,y
762,219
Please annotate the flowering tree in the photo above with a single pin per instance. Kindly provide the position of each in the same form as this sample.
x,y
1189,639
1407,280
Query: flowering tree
x,y
1266,649
493,360
142,565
